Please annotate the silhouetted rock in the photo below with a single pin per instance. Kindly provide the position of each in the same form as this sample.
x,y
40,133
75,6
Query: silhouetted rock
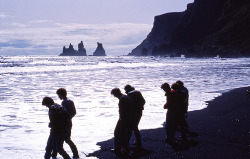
x,y
81,49
206,29
99,50
72,52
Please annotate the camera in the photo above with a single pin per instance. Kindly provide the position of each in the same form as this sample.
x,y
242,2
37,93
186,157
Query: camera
x,y
248,93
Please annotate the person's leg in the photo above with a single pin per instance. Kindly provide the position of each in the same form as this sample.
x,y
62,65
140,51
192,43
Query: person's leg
x,y
136,130
166,127
186,124
171,127
124,138
128,134
117,137
183,129
54,152
51,143
59,146
71,143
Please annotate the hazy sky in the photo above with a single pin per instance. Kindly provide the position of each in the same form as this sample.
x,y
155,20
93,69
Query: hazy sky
x,y
45,26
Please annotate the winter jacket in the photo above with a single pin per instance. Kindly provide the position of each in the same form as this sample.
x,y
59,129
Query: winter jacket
x,y
59,118
137,101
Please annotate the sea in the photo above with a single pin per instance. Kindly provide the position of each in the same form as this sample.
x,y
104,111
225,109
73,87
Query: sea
x,y
26,80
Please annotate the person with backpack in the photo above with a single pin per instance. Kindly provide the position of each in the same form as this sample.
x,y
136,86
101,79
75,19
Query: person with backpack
x,y
71,110
138,103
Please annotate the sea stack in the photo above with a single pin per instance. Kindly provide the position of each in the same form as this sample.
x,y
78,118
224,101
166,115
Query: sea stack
x,y
81,49
99,50
72,52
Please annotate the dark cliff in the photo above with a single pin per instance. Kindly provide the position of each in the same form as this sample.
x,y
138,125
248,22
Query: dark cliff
x,y
207,28
161,32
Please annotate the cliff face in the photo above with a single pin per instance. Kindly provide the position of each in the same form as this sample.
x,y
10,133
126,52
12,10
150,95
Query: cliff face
x,y
206,28
231,36
161,33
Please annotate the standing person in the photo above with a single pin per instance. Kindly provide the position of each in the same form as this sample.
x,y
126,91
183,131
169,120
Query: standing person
x,y
185,90
184,109
170,116
138,103
70,108
58,128
121,132
179,109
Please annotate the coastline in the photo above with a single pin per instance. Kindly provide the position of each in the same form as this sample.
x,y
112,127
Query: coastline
x,y
219,131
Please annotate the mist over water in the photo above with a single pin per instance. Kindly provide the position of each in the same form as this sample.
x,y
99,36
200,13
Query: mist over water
x,y
25,80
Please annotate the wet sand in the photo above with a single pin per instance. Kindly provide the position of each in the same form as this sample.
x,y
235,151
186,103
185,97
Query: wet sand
x,y
222,130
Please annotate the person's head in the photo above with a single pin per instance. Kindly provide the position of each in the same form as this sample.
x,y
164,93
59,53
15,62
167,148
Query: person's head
x,y
128,88
175,86
180,83
47,101
116,92
166,87
62,93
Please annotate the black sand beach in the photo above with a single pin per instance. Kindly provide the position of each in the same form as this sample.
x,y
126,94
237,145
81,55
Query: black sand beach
x,y
220,131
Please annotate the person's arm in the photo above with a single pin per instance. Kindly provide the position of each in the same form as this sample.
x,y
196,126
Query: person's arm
x,y
51,119
170,101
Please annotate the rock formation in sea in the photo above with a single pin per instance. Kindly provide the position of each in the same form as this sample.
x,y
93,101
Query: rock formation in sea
x,y
207,28
72,52
99,50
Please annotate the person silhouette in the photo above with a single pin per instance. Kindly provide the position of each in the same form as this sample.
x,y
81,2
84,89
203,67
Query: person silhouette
x,y
185,90
184,128
170,116
138,103
70,108
122,131
58,128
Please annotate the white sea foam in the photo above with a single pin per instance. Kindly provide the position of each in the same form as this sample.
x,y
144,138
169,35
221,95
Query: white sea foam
x,y
25,80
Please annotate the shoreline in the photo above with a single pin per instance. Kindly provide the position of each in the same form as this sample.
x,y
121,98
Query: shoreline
x,y
221,130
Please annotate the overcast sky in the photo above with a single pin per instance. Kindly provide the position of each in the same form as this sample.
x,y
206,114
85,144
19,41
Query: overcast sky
x,y
44,26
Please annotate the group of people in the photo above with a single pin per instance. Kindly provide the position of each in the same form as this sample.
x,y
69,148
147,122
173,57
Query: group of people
x,y
130,107
130,113
177,104
60,125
